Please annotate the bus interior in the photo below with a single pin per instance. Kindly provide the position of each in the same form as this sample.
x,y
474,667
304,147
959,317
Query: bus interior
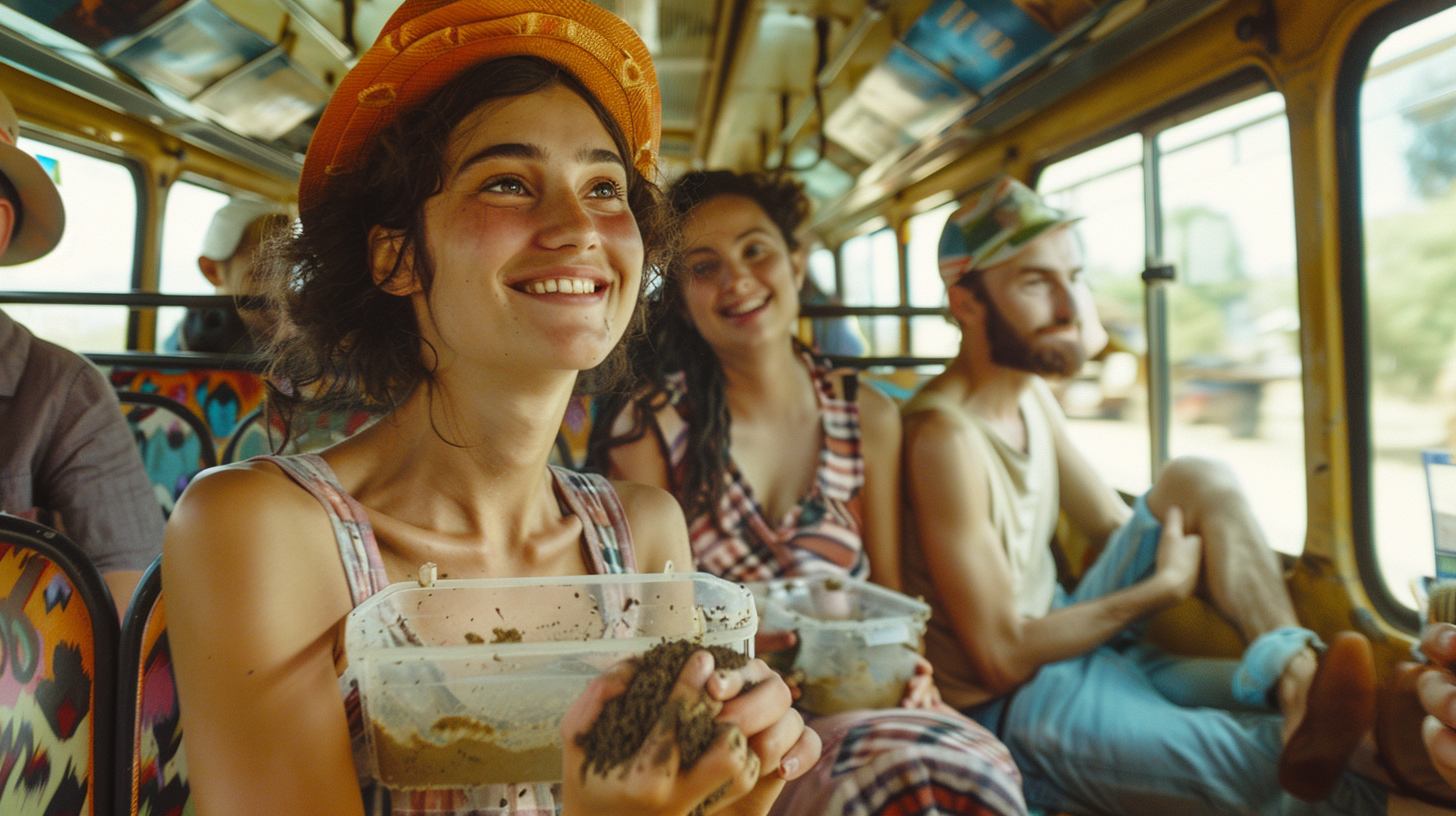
x,y
1265,191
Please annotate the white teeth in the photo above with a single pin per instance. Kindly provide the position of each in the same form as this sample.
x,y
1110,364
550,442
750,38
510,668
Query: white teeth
x,y
743,310
570,286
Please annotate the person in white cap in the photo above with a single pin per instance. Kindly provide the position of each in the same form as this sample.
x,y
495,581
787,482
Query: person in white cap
x,y
228,260
66,454
1097,719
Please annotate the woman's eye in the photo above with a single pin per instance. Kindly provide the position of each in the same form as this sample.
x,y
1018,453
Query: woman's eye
x,y
753,250
607,189
703,270
509,186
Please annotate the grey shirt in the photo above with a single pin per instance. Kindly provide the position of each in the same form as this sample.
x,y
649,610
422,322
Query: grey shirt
x,y
65,448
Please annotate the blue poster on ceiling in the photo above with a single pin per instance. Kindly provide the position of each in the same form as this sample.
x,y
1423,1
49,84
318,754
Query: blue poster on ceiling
x,y
978,41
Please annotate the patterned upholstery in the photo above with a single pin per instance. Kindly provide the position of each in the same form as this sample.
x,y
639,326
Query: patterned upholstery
x,y
58,637
221,398
174,443
255,435
151,770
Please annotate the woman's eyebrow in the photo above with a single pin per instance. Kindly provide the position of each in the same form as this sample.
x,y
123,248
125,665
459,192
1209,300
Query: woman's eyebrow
x,y
517,150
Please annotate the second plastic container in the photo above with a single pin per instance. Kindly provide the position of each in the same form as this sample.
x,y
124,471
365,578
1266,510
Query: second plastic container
x,y
857,640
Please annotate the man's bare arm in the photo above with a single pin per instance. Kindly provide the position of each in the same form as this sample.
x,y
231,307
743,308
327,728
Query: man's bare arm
x,y
950,497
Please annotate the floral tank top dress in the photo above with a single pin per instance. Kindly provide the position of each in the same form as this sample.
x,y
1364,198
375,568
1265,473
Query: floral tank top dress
x,y
607,547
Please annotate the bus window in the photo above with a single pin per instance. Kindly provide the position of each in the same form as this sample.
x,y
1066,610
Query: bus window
x,y
930,336
872,278
1226,221
1107,404
1227,195
189,211
1407,137
97,252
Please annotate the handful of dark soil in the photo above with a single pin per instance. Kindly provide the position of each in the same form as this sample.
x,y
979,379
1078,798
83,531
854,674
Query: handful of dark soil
x,y
628,719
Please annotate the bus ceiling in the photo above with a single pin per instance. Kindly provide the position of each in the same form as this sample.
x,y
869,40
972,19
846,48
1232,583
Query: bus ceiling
x,y
859,99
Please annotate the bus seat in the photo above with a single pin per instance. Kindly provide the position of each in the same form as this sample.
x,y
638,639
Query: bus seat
x,y
174,443
58,636
221,397
256,435
570,448
250,438
151,769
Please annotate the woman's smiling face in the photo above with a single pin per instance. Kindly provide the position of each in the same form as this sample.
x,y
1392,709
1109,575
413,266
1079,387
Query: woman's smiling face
x,y
537,258
742,281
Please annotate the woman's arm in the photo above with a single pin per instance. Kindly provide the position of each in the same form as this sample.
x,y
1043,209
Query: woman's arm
x,y
255,592
879,422
640,460
950,496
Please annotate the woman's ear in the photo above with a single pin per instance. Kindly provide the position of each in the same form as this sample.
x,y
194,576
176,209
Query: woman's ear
x,y
799,263
392,268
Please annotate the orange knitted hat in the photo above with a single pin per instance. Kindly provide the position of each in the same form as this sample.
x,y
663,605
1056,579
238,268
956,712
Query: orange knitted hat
x,y
426,43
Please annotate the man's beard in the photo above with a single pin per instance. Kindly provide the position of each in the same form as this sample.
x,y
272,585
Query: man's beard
x,y
1046,357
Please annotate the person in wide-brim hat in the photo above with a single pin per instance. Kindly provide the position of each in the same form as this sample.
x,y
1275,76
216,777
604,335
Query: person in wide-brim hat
x,y
476,220
40,218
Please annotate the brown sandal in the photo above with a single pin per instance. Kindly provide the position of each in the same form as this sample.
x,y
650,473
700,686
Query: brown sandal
x,y
1339,712
1401,751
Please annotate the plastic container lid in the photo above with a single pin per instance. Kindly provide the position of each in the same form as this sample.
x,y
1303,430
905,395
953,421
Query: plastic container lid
x,y
464,683
857,640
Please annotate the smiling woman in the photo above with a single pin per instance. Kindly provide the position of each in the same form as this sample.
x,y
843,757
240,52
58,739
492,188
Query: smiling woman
x,y
475,223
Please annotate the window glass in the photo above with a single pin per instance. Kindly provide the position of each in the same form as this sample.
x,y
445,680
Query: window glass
x,y
872,278
1233,335
1407,163
96,254
929,336
189,212
1106,404
821,271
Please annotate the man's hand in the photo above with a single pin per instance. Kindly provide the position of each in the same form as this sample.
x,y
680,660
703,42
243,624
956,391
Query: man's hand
x,y
1180,556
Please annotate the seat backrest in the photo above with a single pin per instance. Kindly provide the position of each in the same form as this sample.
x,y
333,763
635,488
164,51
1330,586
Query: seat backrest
x,y
151,770
250,438
220,397
58,637
174,442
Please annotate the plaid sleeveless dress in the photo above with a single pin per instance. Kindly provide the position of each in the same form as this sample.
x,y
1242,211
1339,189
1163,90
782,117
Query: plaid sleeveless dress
x,y
894,762
820,534
606,544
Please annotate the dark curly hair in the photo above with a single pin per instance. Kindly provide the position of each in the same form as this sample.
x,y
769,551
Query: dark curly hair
x,y
671,344
343,344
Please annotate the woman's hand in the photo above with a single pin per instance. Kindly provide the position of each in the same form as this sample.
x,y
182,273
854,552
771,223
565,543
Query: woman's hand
x,y
741,773
1438,697
776,647
921,691
758,702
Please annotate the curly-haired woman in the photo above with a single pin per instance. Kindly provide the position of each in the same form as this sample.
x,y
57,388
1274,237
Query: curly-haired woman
x,y
475,223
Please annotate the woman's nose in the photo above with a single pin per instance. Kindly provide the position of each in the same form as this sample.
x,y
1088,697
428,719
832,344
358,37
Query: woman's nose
x,y
568,224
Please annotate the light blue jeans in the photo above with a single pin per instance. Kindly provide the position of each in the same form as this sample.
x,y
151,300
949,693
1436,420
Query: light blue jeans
x,y
1130,729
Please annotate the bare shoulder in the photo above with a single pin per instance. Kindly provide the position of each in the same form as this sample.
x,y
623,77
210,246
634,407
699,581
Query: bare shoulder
x,y
659,533
876,411
245,520
938,438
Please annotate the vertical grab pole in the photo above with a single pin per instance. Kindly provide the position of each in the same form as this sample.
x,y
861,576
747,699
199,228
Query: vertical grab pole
x,y
1156,276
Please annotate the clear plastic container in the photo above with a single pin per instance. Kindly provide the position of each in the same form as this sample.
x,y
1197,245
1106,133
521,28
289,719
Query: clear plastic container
x,y
857,641
471,688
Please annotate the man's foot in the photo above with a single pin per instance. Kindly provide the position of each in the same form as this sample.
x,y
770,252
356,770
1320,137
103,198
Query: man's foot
x,y
1337,709
1401,751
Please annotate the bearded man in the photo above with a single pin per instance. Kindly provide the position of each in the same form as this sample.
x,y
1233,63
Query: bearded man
x,y
1098,719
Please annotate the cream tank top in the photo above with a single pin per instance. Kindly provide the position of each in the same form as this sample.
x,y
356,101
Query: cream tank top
x,y
1025,504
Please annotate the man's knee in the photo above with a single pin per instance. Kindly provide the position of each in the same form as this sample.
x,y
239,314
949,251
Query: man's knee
x,y
1198,486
